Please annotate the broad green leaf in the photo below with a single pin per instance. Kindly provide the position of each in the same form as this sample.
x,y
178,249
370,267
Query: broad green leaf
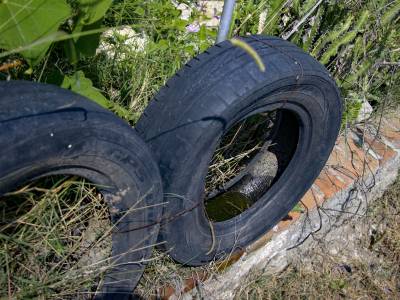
x,y
180,24
78,83
70,51
88,44
66,83
93,10
85,45
23,22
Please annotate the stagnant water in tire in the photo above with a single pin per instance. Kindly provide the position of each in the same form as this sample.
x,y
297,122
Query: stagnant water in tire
x,y
55,237
250,158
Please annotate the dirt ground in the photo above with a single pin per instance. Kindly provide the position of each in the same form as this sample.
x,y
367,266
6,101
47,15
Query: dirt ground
x,y
366,267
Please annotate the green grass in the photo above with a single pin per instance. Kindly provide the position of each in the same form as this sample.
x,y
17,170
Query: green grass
x,y
357,42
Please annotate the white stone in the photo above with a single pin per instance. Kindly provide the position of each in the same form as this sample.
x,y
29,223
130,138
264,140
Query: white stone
x,y
365,111
186,11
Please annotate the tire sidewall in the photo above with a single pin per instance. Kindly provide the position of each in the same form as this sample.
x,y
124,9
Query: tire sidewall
x,y
310,96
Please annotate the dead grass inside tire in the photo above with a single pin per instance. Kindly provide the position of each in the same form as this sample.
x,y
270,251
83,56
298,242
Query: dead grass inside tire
x,y
55,240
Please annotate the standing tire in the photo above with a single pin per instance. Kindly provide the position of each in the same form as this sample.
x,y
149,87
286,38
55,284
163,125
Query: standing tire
x,y
45,130
214,91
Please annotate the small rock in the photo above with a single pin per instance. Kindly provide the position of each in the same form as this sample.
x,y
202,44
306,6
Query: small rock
x,y
186,11
92,248
276,265
365,111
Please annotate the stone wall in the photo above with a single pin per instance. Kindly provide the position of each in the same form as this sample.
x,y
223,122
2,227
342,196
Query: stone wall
x,y
364,162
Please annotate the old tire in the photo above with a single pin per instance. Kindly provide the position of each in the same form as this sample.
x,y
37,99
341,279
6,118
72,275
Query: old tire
x,y
185,121
45,130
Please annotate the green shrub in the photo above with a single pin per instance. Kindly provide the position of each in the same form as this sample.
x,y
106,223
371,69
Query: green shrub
x,y
354,40
357,41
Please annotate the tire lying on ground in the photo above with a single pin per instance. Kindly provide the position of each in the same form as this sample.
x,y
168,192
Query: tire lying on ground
x,y
45,130
186,120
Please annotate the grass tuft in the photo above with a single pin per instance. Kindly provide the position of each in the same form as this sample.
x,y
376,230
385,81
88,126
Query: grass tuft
x,y
54,237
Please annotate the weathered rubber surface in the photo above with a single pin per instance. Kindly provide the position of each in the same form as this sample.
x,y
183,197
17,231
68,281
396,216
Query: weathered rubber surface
x,y
185,121
46,130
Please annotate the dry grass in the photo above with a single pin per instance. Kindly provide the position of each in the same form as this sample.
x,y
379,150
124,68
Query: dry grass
x,y
53,233
237,147
373,275
164,277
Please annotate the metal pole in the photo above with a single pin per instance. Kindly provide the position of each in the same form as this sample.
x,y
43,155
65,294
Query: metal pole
x,y
226,19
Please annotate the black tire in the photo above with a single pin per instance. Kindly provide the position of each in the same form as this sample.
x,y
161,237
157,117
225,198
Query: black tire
x,y
46,130
185,121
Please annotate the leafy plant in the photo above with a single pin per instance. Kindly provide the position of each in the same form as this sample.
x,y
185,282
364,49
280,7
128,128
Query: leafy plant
x,y
357,42
69,51
33,25
25,22
351,39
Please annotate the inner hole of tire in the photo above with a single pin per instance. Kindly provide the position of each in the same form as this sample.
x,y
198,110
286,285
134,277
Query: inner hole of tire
x,y
56,228
250,158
